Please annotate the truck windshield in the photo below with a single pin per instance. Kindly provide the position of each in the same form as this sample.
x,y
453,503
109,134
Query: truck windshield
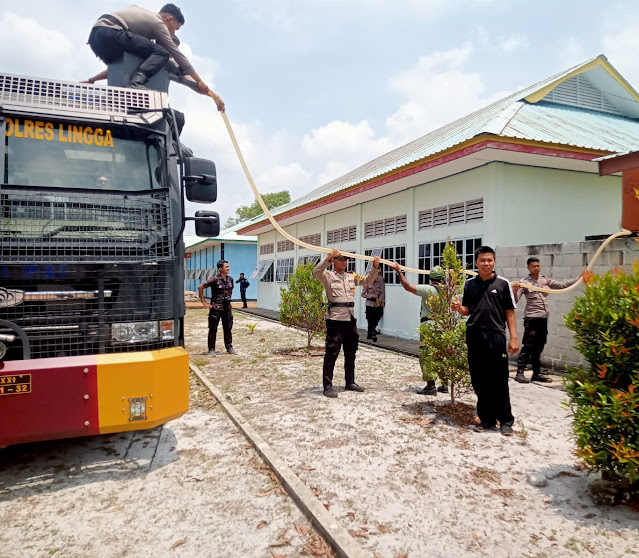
x,y
62,155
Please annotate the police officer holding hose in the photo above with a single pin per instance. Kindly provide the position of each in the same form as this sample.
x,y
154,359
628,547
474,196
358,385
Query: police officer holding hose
x,y
341,325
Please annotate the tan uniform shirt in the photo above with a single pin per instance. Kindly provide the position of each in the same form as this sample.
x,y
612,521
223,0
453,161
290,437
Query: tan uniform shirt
x,y
150,25
536,301
341,288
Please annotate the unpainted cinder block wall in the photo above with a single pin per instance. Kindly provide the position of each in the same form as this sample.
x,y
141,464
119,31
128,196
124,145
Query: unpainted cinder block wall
x,y
561,262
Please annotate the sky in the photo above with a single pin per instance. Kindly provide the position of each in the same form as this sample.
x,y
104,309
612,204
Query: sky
x,y
315,88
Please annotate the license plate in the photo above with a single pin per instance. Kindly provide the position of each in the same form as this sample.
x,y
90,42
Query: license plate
x,y
19,383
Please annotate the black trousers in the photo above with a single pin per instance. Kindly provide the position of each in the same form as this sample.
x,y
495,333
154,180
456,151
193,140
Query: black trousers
x,y
109,44
340,334
488,364
227,325
373,316
243,295
533,343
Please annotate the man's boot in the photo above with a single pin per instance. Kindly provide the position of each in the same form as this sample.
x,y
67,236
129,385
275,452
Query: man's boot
x,y
428,389
541,378
519,377
138,81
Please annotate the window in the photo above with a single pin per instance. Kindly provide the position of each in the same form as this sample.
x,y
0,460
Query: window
x,y
430,254
266,249
262,270
285,246
284,269
345,234
267,276
393,254
313,258
313,239
385,227
454,214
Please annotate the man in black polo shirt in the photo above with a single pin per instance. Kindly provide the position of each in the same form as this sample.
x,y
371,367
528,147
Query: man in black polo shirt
x,y
489,303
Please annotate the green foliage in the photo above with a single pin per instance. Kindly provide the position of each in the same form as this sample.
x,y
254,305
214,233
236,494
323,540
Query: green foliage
x,y
251,327
302,303
604,398
443,338
272,200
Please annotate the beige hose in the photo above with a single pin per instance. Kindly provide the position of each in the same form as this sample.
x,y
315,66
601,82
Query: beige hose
x,y
275,224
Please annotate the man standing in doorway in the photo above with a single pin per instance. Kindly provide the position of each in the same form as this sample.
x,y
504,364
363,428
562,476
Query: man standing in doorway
x,y
375,295
535,320
489,303
220,306
341,325
244,284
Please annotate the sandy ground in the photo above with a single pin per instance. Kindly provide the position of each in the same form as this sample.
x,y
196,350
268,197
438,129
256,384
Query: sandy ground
x,y
401,478
191,488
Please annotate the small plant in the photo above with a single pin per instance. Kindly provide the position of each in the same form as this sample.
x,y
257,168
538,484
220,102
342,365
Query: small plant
x,y
251,327
443,338
302,303
604,397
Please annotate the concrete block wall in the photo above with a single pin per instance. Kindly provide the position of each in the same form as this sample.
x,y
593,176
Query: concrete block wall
x,y
561,262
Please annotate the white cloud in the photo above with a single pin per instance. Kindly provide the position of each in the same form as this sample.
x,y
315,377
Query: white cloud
x,y
438,90
25,43
513,43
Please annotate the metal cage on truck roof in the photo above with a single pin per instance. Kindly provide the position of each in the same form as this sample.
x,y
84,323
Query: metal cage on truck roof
x,y
57,98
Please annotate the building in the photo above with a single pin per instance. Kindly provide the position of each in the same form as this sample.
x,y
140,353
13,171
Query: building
x,y
517,172
202,254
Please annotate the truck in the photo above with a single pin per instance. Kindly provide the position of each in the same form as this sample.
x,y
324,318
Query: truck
x,y
93,189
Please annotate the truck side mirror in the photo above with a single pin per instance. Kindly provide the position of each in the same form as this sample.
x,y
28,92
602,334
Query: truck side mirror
x,y
200,180
207,224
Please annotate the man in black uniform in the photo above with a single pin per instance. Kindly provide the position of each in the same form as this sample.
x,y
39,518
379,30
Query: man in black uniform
x,y
244,284
490,304
220,306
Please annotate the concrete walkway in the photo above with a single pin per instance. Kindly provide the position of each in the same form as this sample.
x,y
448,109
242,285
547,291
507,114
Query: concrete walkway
x,y
408,347
398,344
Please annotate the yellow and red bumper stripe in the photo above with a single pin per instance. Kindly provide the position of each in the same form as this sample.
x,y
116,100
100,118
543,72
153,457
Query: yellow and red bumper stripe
x,y
46,399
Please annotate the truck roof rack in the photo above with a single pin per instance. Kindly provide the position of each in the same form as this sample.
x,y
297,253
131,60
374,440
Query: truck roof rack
x,y
41,96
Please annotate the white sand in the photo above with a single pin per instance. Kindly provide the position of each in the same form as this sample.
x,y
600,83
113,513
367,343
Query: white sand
x,y
398,482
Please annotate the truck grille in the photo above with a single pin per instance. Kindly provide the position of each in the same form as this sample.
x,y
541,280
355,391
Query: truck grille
x,y
47,225
70,309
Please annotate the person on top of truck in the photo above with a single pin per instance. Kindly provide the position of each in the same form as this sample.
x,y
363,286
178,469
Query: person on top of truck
x,y
134,30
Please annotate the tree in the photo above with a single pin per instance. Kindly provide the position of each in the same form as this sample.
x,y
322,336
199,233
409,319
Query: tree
x,y
302,303
272,201
444,348
604,397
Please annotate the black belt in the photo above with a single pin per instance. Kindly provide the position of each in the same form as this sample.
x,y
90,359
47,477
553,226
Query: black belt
x,y
341,304
424,319
112,19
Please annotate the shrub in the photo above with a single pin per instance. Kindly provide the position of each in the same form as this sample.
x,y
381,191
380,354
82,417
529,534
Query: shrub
x,y
444,337
604,397
302,303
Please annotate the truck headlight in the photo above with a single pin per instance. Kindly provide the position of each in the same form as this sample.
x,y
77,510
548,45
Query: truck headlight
x,y
166,330
134,332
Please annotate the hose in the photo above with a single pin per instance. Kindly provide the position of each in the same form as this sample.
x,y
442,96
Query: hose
x,y
286,235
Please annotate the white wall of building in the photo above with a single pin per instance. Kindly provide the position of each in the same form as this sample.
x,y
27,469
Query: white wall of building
x,y
522,206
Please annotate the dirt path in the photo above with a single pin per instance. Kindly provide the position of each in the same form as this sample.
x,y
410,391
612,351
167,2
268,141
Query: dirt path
x,y
402,479
191,488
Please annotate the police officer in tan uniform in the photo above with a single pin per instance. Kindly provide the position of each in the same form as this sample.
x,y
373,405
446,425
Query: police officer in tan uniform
x,y
341,325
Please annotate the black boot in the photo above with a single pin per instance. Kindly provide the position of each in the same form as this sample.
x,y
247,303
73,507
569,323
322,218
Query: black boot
x,y
138,81
519,377
428,389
